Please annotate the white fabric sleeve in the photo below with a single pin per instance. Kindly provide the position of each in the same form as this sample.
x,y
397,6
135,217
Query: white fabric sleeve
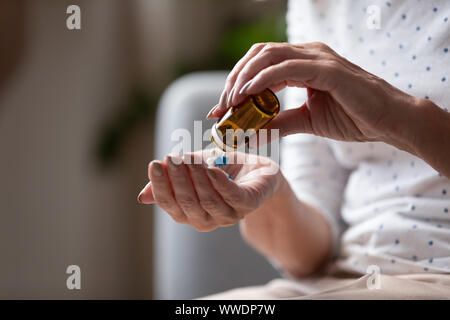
x,y
314,174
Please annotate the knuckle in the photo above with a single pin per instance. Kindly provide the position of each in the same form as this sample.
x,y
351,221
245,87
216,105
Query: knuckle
x,y
322,46
166,204
246,72
272,48
209,204
179,218
290,63
232,198
258,45
227,220
332,65
186,202
326,56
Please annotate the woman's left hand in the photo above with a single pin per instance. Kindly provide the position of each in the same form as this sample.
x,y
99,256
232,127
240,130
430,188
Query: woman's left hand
x,y
344,103
206,198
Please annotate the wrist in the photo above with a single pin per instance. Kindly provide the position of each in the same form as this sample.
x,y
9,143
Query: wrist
x,y
270,209
406,125
430,135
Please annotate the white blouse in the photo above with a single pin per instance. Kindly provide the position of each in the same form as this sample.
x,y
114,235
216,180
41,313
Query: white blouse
x,y
387,207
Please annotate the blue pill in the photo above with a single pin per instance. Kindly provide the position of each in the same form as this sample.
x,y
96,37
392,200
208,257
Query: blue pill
x,y
220,161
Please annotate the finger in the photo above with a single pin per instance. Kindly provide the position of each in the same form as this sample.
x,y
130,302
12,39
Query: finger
x,y
229,83
208,197
253,51
278,87
271,54
231,192
162,192
289,122
319,75
146,195
184,192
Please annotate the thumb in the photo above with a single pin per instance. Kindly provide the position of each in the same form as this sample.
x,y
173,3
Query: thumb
x,y
292,121
296,120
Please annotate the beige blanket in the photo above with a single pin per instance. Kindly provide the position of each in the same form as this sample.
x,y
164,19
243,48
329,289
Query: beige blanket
x,y
412,286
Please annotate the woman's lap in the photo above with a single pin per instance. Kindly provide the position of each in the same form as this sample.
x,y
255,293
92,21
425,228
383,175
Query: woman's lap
x,y
413,286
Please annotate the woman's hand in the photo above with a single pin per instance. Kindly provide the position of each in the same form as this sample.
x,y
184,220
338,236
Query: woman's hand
x,y
207,198
272,219
344,101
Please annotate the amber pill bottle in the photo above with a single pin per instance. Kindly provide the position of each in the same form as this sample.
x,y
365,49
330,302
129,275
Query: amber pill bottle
x,y
251,115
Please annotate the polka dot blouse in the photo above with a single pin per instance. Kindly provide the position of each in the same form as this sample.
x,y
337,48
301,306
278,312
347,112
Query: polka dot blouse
x,y
386,207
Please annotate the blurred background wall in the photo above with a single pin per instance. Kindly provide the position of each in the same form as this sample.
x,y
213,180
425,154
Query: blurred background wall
x,y
76,130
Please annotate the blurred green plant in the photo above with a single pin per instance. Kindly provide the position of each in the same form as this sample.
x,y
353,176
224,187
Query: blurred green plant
x,y
238,39
139,109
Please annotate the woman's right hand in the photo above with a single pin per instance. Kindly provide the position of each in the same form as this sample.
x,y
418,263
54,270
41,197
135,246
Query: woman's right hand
x,y
344,103
206,198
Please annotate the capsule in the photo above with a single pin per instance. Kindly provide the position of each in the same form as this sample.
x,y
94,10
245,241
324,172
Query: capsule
x,y
244,120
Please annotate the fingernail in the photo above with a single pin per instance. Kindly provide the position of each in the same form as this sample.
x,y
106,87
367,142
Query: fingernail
x,y
174,162
222,100
245,87
146,196
139,198
208,116
211,174
189,160
157,169
230,98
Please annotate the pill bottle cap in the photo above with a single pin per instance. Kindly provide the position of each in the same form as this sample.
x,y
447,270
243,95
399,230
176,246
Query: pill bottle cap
x,y
218,140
